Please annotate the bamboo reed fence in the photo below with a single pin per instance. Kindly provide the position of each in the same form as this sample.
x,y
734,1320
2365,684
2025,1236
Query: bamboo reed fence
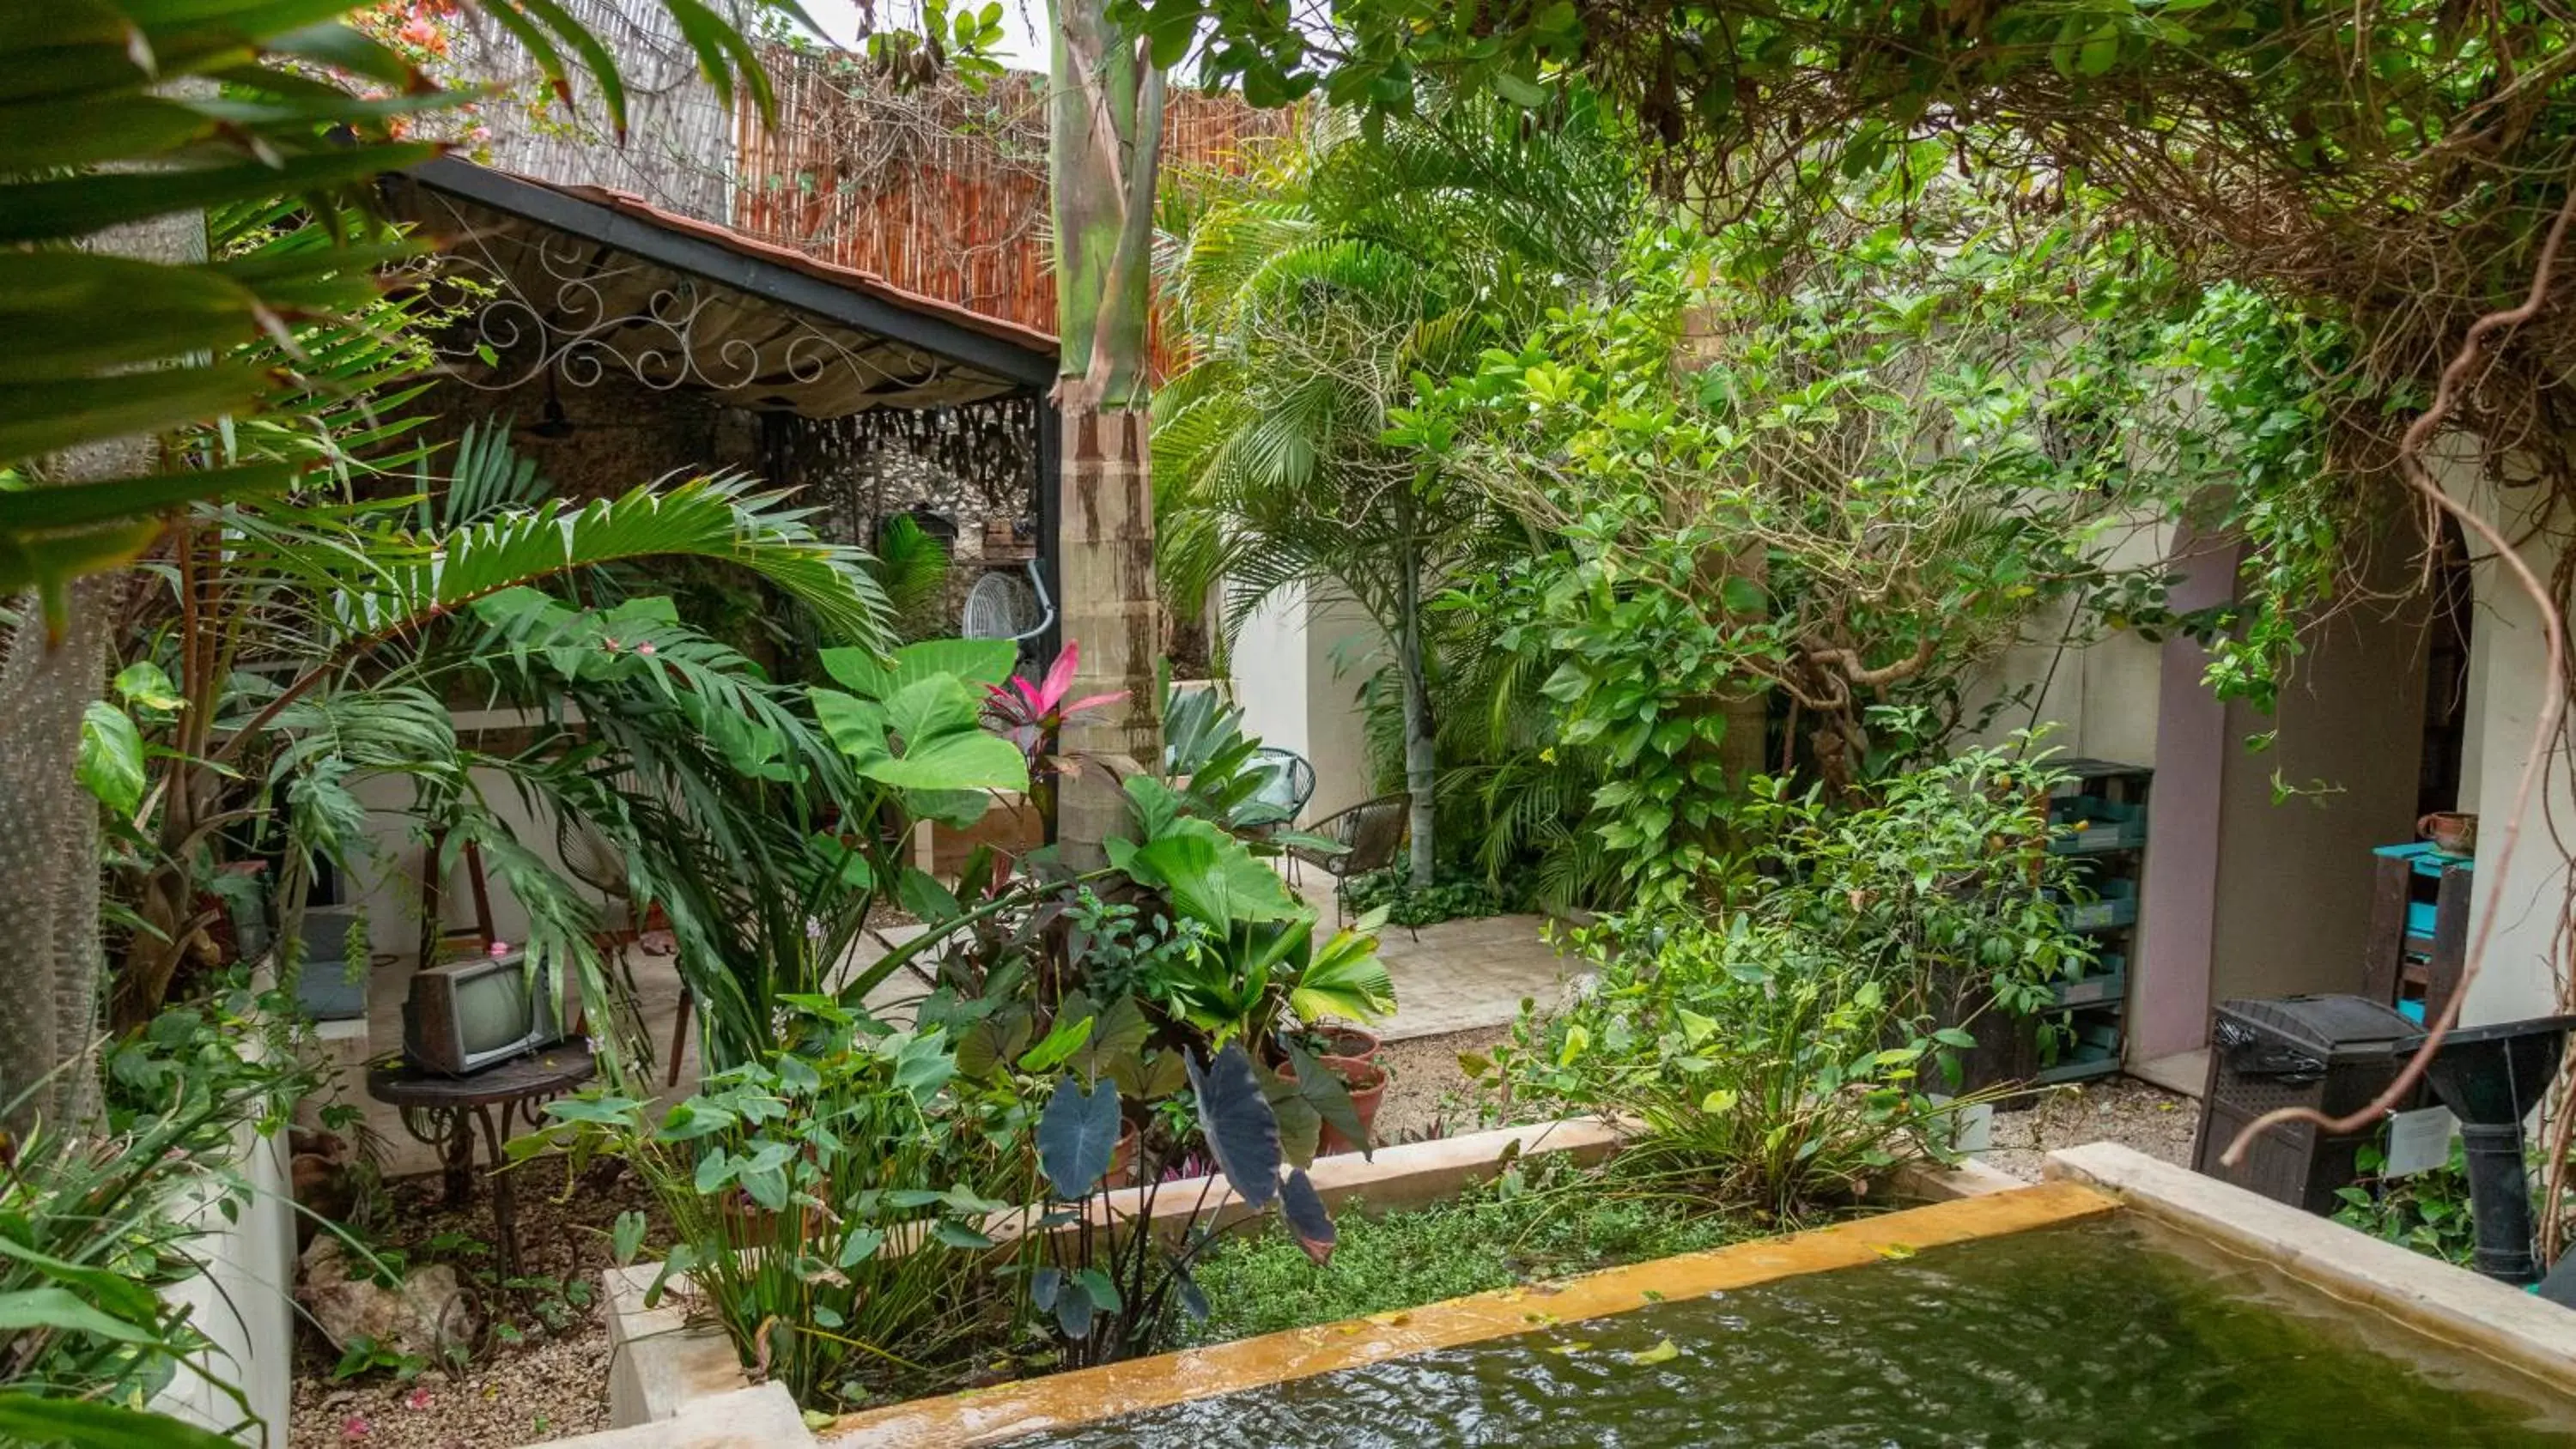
x,y
941,190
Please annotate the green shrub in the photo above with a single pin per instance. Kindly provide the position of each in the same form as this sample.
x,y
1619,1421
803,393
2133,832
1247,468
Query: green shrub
x,y
1451,897
1941,885
1761,1069
2426,1213
1783,1054
829,1200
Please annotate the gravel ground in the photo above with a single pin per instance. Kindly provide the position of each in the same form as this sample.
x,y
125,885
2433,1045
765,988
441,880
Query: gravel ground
x,y
1428,1094
2115,1109
552,1385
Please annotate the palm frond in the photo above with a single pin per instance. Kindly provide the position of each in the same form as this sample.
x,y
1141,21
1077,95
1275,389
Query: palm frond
x,y
485,477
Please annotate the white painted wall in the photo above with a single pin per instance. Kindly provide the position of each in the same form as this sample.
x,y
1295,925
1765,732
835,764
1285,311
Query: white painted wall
x,y
1267,669
2522,970
1343,648
2099,695
1297,667
244,1302
387,886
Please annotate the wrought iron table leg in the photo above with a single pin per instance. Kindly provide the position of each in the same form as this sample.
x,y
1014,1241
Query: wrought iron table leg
x,y
505,1196
451,1132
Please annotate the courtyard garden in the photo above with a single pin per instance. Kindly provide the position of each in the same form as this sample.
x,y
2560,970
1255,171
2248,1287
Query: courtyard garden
x,y
1461,648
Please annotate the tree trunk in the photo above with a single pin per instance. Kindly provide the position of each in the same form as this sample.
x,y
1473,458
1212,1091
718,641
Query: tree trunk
x,y
1104,141
49,824
1106,556
1745,749
1421,775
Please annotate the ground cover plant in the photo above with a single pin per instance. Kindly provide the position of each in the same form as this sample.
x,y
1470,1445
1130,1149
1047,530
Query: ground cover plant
x,y
1452,896
1526,1226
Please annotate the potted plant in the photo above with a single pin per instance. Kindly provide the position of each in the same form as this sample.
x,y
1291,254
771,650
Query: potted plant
x,y
1344,1041
1365,1081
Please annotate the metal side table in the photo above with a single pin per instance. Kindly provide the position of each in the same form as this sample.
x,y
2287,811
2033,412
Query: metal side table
x,y
441,1111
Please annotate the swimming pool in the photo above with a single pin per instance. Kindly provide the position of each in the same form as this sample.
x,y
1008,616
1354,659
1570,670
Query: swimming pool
x,y
2101,1333
2039,1316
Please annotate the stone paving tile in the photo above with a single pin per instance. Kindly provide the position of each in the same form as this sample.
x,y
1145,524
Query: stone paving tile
x,y
1466,974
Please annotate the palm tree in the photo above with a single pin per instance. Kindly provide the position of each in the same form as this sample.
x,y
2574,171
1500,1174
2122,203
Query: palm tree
x,y
331,611
1317,298
1104,163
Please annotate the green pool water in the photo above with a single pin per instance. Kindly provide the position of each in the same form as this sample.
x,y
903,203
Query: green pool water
x,y
2097,1334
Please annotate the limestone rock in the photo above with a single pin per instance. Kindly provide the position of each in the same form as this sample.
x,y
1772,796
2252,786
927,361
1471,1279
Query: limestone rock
x,y
428,1316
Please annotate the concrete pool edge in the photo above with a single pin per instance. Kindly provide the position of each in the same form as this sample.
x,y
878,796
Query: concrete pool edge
x,y
2474,1315
664,1358
1009,1411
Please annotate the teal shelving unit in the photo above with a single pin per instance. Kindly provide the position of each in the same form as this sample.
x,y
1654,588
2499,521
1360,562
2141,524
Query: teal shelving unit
x,y
2419,927
2101,817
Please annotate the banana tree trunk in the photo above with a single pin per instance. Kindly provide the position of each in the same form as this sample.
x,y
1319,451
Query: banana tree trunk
x,y
49,845
1105,131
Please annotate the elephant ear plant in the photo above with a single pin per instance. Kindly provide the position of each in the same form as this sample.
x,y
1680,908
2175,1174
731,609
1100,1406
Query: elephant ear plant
x,y
1110,1270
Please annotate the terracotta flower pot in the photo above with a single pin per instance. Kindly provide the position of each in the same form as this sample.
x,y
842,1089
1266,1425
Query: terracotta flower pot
x,y
1123,1158
1367,1083
1354,1043
2451,832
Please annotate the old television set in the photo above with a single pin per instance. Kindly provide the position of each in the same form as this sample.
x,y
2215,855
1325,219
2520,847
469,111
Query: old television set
x,y
463,1016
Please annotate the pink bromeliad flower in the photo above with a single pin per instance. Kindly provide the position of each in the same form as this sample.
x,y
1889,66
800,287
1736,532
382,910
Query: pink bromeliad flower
x,y
1031,715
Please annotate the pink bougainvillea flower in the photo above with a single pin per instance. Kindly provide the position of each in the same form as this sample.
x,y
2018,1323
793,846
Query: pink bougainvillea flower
x,y
356,1427
418,1399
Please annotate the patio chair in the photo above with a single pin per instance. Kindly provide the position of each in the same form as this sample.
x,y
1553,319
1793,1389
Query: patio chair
x,y
1288,784
1369,835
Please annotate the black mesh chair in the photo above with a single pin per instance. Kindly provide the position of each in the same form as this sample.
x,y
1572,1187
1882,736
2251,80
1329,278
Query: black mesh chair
x,y
1368,834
